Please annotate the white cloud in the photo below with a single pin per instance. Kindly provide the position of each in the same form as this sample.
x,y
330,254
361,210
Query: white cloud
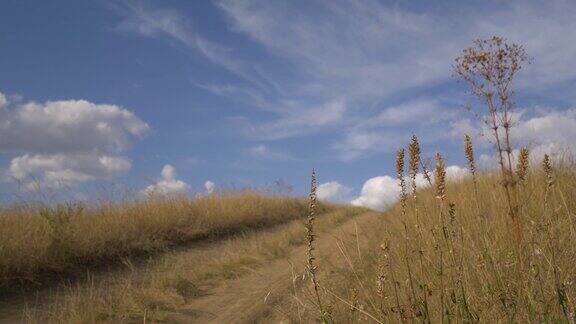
x,y
425,110
340,65
357,143
210,187
3,100
149,21
168,184
296,119
68,126
262,151
332,191
545,132
456,173
384,50
66,142
378,193
168,172
551,132
58,170
382,192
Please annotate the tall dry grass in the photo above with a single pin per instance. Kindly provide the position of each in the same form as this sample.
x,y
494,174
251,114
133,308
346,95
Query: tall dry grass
x,y
159,289
450,253
37,242
498,247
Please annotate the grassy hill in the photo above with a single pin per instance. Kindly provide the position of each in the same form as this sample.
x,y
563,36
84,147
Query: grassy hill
x,y
140,260
37,241
448,253
491,248
455,254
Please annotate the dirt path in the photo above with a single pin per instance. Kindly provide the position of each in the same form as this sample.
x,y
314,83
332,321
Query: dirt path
x,y
255,297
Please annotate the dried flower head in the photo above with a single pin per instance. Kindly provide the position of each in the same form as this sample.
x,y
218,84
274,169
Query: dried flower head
x,y
490,61
469,150
489,67
414,156
440,177
400,163
401,180
383,264
547,166
354,302
522,166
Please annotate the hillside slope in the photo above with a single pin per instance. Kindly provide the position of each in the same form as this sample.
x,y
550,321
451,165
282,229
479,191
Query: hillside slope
x,y
455,254
154,286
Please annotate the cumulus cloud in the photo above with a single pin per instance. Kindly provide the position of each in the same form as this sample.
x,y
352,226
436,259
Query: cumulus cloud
x,y
382,192
210,187
456,173
551,133
168,184
68,126
378,193
66,142
58,170
332,191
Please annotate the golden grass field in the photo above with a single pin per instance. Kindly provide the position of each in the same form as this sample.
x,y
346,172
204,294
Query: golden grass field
x,y
459,260
498,246
36,241
143,259
442,255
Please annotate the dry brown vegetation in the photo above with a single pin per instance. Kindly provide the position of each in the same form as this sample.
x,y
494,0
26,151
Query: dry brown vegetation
x,y
457,259
37,242
498,247
158,289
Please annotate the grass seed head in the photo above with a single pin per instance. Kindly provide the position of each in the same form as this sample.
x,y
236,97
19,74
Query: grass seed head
x,y
400,174
440,177
469,150
400,163
522,166
414,156
547,167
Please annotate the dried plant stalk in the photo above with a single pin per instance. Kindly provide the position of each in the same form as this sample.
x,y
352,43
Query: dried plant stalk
x,y
312,268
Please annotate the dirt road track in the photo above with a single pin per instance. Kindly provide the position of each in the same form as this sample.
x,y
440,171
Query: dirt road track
x,y
256,297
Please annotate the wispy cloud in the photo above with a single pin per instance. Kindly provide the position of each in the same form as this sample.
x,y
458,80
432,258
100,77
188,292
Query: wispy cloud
x,y
147,20
360,67
262,151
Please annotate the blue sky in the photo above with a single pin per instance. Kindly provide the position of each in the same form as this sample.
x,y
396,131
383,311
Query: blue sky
x,y
168,95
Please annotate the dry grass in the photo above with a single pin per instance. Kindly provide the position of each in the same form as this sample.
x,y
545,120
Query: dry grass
x,y
452,255
158,290
36,242
498,247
